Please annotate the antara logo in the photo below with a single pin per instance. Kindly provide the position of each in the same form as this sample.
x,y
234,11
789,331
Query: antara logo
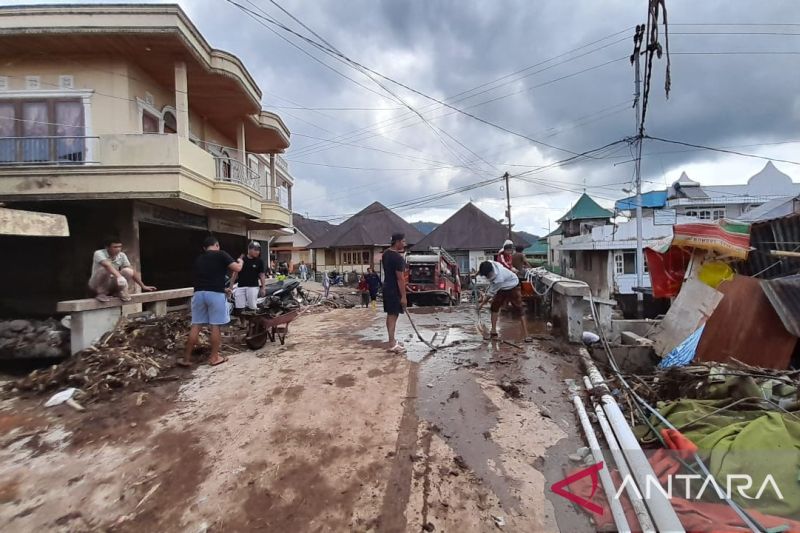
x,y
589,505
733,484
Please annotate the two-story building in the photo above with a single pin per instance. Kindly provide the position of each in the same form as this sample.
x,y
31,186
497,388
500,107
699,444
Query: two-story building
x,y
126,120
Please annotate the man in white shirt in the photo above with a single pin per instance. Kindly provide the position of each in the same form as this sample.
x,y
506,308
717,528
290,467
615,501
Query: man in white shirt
x,y
113,274
504,289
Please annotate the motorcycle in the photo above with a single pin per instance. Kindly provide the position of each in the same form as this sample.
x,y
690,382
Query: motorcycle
x,y
287,293
336,279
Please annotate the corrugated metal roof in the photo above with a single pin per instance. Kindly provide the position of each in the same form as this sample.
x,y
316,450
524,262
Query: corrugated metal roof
x,y
779,234
784,295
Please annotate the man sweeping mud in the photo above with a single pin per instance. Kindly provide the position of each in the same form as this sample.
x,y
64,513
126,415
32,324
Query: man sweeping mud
x,y
504,290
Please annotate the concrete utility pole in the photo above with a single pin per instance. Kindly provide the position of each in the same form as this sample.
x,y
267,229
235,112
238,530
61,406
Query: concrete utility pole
x,y
638,169
508,205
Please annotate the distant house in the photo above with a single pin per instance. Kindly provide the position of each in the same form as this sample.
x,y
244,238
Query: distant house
x,y
538,252
713,202
359,241
580,220
471,236
295,248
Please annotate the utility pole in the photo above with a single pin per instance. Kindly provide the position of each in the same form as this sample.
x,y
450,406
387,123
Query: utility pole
x,y
508,205
638,175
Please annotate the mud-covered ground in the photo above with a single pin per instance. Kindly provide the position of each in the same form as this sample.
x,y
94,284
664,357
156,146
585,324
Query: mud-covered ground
x,y
327,433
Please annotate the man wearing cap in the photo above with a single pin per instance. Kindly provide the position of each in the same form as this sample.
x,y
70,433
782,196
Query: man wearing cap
x,y
394,287
252,280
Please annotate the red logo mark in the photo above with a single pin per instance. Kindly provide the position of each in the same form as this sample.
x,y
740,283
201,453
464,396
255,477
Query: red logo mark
x,y
592,471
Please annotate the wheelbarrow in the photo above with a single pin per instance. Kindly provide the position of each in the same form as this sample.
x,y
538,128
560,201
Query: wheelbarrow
x,y
261,327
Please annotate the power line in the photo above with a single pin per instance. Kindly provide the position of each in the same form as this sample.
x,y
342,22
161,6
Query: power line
x,y
461,96
331,49
722,150
401,84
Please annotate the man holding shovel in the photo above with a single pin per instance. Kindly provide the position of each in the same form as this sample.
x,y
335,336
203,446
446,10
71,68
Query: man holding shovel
x,y
504,289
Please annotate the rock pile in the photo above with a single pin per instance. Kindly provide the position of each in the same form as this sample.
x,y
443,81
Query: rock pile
x,y
22,339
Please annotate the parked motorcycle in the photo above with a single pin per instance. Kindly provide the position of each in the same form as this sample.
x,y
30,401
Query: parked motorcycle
x,y
287,293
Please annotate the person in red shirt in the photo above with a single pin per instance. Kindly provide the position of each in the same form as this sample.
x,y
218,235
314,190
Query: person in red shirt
x,y
363,288
506,255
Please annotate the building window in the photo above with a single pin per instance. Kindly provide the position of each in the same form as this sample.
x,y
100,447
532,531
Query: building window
x,y
42,130
150,123
624,263
707,214
170,122
355,257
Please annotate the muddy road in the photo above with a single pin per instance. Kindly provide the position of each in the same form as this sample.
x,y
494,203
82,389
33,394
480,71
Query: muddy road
x,y
327,433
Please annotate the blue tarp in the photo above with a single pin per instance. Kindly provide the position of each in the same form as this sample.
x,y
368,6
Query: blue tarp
x,y
652,199
683,354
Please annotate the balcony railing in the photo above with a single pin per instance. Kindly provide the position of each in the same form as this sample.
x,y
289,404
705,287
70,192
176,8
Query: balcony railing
x,y
58,150
234,171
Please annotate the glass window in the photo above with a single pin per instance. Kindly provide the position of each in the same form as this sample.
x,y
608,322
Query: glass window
x,y
619,264
149,123
8,147
629,259
35,125
170,122
69,124
365,258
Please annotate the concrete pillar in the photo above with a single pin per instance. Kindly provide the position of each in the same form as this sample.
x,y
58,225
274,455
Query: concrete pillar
x,y
273,179
86,327
290,197
182,99
240,143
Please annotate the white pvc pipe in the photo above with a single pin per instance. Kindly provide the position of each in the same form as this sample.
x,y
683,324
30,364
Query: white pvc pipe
x,y
636,501
617,512
664,516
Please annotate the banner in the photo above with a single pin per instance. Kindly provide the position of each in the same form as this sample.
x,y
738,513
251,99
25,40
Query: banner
x,y
726,237
667,270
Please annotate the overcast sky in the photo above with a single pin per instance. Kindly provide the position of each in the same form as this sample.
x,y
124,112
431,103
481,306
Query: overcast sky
x,y
577,98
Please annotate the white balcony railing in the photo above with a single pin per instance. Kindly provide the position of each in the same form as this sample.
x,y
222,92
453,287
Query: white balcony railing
x,y
54,150
234,171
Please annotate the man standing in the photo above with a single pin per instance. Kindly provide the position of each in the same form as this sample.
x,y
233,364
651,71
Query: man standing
x,y
252,280
520,262
303,271
209,306
112,273
394,288
503,290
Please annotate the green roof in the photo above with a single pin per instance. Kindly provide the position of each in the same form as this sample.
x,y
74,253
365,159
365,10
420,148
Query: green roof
x,y
538,248
585,208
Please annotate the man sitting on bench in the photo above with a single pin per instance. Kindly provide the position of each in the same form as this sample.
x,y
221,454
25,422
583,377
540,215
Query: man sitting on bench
x,y
112,273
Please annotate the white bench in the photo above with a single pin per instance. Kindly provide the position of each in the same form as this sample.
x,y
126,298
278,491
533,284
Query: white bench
x,y
91,319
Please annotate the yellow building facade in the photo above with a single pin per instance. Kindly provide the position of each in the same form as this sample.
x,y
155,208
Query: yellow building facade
x,y
125,119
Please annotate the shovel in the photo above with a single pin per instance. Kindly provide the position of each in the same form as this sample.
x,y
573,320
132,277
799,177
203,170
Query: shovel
x,y
428,344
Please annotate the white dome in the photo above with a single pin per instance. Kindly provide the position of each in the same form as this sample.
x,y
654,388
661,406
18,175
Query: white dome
x,y
769,176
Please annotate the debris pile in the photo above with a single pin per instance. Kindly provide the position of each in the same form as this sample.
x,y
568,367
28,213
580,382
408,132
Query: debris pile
x,y
136,352
33,339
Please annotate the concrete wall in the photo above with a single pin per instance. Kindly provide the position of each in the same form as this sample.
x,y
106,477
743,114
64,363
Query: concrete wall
x,y
597,276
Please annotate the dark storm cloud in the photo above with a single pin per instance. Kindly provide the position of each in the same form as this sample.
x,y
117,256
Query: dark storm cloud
x,y
445,47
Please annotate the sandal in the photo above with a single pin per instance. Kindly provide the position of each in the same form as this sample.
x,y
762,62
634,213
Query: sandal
x,y
222,360
490,336
528,339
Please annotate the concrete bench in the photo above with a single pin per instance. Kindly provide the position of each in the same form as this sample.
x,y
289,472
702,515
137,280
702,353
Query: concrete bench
x,y
91,319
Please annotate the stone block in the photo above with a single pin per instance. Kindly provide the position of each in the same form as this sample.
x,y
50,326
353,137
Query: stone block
x,y
86,327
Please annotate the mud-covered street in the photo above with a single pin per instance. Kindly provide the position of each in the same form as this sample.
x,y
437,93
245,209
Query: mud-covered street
x,y
327,433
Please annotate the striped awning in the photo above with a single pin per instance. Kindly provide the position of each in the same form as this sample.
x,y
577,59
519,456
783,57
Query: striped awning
x,y
727,237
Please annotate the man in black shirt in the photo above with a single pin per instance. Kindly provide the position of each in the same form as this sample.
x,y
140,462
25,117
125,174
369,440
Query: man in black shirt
x,y
209,306
252,280
394,287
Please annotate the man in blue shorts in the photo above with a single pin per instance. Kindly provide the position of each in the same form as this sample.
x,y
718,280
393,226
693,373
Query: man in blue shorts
x,y
209,305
